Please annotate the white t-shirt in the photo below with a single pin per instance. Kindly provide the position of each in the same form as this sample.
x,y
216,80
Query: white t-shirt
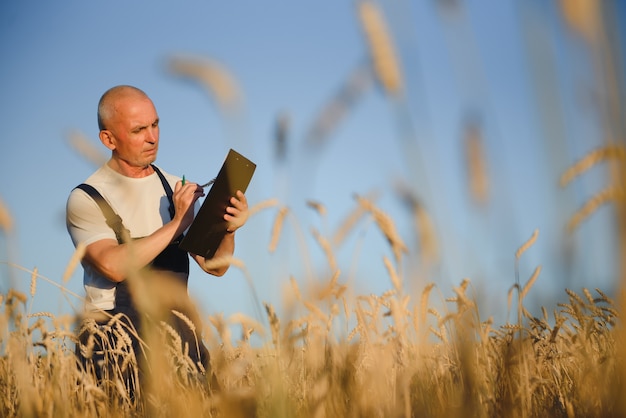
x,y
141,203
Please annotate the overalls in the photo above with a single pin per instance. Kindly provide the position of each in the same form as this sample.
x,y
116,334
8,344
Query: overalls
x,y
110,352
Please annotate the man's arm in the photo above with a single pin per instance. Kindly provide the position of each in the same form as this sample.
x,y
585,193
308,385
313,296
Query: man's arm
x,y
115,261
236,216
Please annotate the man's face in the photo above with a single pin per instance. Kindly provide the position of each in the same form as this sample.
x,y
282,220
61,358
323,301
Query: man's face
x,y
134,131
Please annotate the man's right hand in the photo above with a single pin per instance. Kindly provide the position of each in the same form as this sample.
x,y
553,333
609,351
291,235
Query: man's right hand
x,y
185,197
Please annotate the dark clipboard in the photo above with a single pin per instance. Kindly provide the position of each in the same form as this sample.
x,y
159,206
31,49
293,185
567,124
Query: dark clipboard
x,y
208,227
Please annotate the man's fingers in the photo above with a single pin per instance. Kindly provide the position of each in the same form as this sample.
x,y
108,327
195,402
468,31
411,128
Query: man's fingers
x,y
239,201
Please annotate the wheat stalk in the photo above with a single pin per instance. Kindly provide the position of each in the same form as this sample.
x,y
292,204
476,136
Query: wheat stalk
x,y
185,319
331,287
395,279
477,168
357,82
424,302
6,222
274,324
386,226
39,314
381,47
317,206
277,228
348,224
33,282
268,203
86,148
529,243
177,341
247,322
212,75
583,16
530,282
16,294
76,258
323,242
222,328
594,157
426,232
296,289
611,193
315,310
223,261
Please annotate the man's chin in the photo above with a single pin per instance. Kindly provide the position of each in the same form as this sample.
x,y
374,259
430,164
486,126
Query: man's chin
x,y
151,159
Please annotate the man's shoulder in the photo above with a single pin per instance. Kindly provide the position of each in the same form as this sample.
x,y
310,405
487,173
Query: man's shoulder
x,y
101,175
96,180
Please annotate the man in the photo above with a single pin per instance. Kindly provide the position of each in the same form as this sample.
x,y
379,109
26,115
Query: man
x,y
131,225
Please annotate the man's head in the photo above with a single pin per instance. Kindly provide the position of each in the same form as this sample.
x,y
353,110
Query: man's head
x,y
129,126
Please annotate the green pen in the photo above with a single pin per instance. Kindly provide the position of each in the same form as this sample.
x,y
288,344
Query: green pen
x,y
183,179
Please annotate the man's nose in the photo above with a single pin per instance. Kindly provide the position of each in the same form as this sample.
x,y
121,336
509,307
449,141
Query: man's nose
x,y
153,135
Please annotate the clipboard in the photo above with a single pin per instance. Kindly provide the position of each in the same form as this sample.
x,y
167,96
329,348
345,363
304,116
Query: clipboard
x,y
208,227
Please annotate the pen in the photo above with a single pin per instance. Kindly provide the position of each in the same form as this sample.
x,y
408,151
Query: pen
x,y
183,179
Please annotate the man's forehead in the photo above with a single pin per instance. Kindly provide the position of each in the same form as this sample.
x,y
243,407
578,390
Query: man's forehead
x,y
132,104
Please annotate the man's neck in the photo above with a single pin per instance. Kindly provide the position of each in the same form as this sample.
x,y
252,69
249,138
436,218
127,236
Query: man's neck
x,y
128,170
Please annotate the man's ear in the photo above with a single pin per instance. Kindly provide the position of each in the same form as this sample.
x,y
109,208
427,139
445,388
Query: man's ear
x,y
107,138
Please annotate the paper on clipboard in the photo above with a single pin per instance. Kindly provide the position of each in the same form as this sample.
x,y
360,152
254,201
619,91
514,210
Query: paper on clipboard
x,y
208,227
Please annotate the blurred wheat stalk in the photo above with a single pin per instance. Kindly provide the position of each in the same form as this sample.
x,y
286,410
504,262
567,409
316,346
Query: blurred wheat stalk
x,y
6,221
383,55
212,76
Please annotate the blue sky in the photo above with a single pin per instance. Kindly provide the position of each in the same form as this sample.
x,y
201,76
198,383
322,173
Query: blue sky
x,y
290,59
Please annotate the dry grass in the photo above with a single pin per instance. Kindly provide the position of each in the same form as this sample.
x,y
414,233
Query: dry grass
x,y
397,356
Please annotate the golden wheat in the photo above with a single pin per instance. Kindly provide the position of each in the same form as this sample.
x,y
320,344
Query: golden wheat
x,y
224,261
386,226
277,228
212,76
610,194
427,234
79,142
476,164
385,363
356,83
348,225
524,247
383,54
583,16
268,203
331,288
530,282
6,222
75,260
317,206
591,159
326,247
33,282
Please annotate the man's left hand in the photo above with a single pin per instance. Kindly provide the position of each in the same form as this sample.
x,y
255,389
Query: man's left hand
x,y
237,213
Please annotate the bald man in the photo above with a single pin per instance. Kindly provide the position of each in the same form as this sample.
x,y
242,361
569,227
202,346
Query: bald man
x,y
131,215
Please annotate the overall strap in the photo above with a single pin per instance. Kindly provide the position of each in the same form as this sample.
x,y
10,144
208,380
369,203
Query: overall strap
x,y
168,190
113,220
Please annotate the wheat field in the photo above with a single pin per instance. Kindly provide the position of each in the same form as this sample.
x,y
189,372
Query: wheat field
x,y
331,352
396,355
